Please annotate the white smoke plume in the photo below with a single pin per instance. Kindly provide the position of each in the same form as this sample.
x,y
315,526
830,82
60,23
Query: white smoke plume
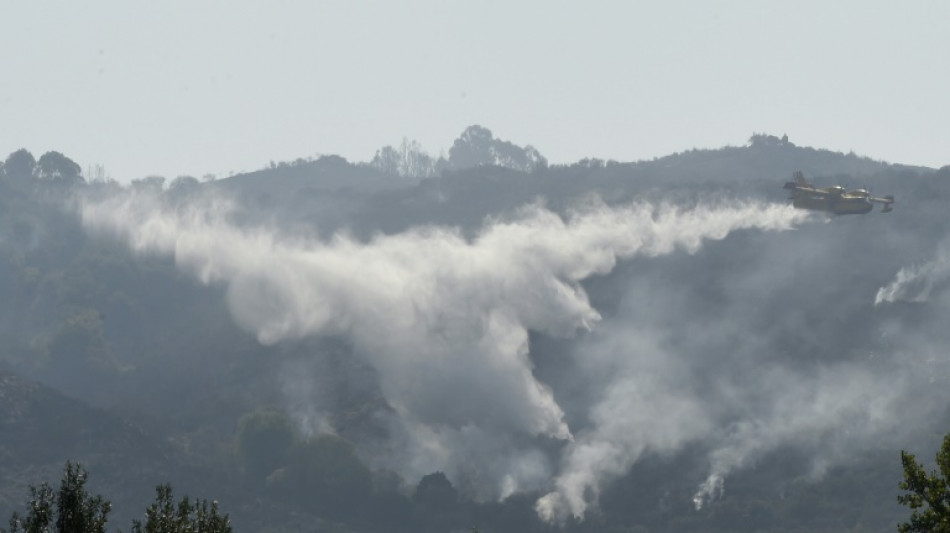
x,y
658,399
917,283
805,411
644,407
444,320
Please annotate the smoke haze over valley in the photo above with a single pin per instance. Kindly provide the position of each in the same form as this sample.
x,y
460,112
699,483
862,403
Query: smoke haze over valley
x,y
444,320
525,343
493,267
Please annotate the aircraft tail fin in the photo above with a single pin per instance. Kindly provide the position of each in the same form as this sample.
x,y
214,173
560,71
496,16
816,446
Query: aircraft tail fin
x,y
887,207
798,181
888,202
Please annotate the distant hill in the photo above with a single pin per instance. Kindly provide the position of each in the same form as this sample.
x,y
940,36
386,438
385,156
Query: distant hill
x,y
332,194
326,174
133,367
766,157
40,428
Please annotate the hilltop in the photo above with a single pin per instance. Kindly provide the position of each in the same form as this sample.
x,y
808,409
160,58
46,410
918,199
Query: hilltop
x,y
145,365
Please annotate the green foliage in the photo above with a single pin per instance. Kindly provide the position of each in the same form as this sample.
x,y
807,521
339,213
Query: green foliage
x,y
74,509
929,494
78,510
164,516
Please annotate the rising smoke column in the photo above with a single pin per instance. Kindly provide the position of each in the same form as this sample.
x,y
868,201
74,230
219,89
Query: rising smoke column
x,y
443,319
644,406
917,283
843,404
656,396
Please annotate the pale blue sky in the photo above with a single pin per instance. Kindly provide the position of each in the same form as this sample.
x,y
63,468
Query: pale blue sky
x,y
185,87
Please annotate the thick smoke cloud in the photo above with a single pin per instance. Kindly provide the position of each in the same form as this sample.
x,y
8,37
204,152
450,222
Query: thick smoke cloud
x,y
445,321
739,406
780,351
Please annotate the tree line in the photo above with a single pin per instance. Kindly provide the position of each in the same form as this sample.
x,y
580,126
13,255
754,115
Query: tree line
x,y
476,146
54,167
71,508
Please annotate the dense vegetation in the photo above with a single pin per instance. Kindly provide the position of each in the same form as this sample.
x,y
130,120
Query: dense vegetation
x,y
137,370
927,495
71,508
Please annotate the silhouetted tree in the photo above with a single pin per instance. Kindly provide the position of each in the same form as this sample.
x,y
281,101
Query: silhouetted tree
x,y
150,183
19,165
415,162
57,168
435,491
929,494
164,516
70,510
761,140
183,185
437,504
97,174
386,160
476,146
472,148
409,160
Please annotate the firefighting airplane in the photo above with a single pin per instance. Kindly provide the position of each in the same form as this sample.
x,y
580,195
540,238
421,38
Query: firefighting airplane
x,y
833,199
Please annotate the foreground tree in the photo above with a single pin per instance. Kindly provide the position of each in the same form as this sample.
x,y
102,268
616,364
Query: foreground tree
x,y
70,510
164,516
929,494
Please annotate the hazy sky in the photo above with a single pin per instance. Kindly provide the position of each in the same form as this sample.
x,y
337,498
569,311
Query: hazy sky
x,y
178,87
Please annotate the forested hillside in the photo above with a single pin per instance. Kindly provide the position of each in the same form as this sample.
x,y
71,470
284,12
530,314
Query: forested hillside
x,y
421,343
